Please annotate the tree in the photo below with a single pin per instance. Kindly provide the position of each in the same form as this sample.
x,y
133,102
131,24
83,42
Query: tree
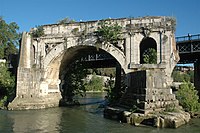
x,y
191,75
7,83
95,84
150,56
177,76
9,38
188,98
38,32
181,77
109,32
74,83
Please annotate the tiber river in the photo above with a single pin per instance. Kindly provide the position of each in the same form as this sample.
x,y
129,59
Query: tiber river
x,y
83,119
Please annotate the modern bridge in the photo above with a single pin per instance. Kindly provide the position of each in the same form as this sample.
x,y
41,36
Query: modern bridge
x,y
189,48
189,52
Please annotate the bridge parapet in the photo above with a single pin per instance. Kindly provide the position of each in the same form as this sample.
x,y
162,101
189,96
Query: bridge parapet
x,y
127,24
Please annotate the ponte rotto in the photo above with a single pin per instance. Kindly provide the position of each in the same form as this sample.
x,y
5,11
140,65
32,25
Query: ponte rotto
x,y
44,59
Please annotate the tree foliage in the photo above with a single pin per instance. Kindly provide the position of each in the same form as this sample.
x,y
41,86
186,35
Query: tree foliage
x,y
110,89
66,21
191,75
7,83
109,32
150,56
74,83
95,84
188,98
179,76
38,32
103,71
9,38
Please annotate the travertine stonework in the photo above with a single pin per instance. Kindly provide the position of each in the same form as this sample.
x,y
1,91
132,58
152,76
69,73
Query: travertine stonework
x,y
43,60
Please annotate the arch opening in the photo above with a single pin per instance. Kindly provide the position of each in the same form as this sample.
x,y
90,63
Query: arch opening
x,y
77,63
148,51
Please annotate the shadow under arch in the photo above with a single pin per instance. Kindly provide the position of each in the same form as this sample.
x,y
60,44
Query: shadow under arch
x,y
75,53
61,49
145,45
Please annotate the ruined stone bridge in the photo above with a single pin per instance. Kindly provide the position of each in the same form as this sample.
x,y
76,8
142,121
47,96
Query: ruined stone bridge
x,y
44,60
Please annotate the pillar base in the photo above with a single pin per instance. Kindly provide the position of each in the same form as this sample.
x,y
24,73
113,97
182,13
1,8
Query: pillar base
x,y
47,101
148,91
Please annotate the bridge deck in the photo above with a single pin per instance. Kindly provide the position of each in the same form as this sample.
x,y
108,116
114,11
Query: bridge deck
x,y
189,48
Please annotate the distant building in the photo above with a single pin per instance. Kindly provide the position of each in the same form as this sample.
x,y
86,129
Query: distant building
x,y
184,68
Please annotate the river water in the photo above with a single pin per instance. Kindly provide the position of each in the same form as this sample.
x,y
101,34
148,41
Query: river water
x,y
87,118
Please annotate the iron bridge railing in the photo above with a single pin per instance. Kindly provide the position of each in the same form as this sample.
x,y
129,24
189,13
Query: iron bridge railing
x,y
96,57
187,38
188,44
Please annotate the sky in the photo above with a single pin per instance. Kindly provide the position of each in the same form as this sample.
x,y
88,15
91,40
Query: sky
x,y
30,13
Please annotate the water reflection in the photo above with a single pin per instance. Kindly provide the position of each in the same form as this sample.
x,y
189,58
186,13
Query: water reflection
x,y
36,121
80,119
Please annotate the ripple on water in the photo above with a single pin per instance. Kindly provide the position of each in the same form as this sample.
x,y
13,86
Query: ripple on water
x,y
82,119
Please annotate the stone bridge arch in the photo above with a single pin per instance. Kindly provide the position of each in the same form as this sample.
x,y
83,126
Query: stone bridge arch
x,y
58,58
61,49
38,79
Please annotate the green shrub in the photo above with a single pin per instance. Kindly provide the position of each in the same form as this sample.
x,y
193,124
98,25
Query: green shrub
x,y
7,82
66,21
181,77
38,32
95,84
188,98
191,75
3,102
109,32
150,56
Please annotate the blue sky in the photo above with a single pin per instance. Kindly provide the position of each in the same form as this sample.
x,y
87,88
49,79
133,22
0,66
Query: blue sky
x,y
29,13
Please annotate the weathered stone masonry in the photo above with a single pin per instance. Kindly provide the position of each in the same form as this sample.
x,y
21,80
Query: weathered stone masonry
x,y
43,61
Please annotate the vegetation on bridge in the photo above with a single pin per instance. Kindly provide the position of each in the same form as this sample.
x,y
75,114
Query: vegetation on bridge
x,y
37,32
66,20
150,56
108,32
186,94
